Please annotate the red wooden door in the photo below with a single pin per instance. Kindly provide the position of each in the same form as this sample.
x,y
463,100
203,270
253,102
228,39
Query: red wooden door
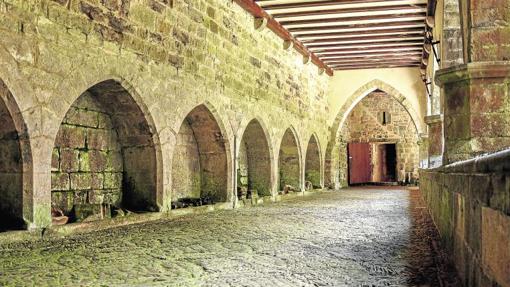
x,y
360,170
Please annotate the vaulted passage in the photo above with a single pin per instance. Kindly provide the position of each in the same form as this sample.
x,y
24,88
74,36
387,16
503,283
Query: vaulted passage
x,y
313,164
104,154
254,170
199,166
382,142
11,168
289,163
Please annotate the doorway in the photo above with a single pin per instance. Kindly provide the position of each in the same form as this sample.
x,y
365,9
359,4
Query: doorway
x,y
359,161
385,164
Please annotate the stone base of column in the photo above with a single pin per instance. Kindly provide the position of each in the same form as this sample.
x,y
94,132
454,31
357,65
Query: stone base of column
x,y
476,109
435,140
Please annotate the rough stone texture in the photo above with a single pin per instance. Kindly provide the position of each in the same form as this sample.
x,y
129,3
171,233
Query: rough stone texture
x,y
104,153
487,26
289,164
335,157
358,237
200,165
11,170
87,158
476,109
470,204
451,44
313,170
364,124
254,164
171,56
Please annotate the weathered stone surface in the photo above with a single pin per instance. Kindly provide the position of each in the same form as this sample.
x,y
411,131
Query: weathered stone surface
x,y
308,241
365,125
476,226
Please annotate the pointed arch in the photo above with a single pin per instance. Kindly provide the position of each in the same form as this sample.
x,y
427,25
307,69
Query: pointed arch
x,y
332,161
107,152
201,161
254,174
313,166
15,165
289,160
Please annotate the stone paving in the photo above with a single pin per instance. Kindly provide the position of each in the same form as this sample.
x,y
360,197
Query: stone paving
x,y
355,237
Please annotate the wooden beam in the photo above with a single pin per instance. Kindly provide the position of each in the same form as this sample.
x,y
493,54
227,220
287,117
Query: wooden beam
x,y
360,34
391,18
343,41
368,55
332,48
308,4
251,7
365,50
346,68
338,12
357,27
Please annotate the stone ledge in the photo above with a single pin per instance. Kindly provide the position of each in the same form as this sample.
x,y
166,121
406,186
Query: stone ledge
x,y
495,162
472,71
432,119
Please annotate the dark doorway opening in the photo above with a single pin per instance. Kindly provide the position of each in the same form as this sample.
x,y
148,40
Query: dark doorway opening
x,y
386,167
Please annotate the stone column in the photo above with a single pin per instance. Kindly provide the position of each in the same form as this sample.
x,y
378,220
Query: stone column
x,y
476,96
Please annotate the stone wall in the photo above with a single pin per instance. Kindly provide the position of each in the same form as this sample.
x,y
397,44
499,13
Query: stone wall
x,y
87,162
364,124
470,204
167,57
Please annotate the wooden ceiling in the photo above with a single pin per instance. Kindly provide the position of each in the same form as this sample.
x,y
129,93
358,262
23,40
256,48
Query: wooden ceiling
x,y
349,34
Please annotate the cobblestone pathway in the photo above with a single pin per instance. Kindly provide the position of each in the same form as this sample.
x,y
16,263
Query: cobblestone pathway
x,y
355,237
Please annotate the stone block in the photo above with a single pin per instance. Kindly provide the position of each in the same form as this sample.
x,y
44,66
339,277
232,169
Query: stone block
x,y
500,197
100,139
114,161
60,181
70,137
496,246
80,117
97,160
81,181
112,180
69,160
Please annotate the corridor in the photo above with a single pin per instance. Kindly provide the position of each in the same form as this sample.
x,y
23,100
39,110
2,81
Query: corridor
x,y
352,237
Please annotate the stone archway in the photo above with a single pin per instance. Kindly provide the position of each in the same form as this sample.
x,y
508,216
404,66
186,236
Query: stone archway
x,y
333,177
254,162
15,164
105,153
199,165
289,163
313,172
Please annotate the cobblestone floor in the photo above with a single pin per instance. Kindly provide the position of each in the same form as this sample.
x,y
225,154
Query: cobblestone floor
x,y
355,237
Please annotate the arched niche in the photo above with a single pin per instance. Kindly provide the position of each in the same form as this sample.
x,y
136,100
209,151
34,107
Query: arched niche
x,y
199,165
313,172
105,153
289,164
15,164
254,162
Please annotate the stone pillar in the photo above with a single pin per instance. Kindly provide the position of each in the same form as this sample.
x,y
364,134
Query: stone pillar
x,y
476,96
451,41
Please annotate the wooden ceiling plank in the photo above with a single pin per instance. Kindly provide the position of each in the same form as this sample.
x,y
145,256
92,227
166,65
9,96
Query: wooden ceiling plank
x,y
314,4
403,9
391,18
361,34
